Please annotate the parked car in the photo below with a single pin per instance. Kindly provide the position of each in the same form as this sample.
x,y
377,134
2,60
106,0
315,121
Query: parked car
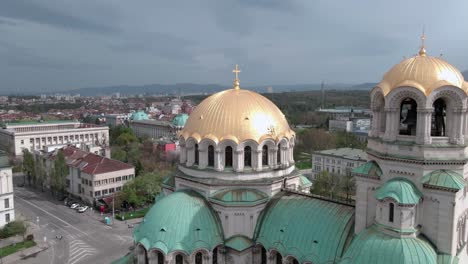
x,y
74,205
82,209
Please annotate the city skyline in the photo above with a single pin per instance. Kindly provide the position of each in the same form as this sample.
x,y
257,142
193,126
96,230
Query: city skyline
x,y
56,46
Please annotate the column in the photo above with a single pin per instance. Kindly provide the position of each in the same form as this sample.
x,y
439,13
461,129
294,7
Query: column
x,y
272,161
190,156
202,158
237,160
423,126
257,160
183,154
456,131
392,124
291,153
374,132
218,161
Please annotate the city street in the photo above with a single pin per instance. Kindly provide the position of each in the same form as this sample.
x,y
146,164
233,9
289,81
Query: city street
x,y
85,239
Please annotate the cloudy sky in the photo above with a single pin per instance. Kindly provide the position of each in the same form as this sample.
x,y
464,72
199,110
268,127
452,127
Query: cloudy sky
x,y
50,45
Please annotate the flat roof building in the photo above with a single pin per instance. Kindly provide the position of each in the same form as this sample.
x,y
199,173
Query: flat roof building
x,y
17,136
339,161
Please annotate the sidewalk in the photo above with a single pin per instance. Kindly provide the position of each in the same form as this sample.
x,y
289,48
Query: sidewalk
x,y
25,253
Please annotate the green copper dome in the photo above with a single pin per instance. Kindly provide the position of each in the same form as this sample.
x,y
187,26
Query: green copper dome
x,y
372,246
444,179
182,221
139,115
308,228
399,189
180,120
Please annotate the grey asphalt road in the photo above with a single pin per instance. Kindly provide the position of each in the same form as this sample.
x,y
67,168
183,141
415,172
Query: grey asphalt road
x,y
84,238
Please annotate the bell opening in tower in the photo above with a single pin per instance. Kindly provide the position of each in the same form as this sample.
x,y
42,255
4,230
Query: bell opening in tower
x,y
228,157
438,118
408,117
247,156
210,156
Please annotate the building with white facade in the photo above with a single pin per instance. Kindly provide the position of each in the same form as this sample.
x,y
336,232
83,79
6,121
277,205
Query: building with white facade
x,y
50,134
339,161
156,129
92,177
7,209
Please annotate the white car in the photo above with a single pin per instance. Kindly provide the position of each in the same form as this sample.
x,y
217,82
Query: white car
x,y
82,209
74,205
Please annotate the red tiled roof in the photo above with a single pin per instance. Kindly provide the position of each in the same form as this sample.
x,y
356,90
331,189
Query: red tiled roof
x,y
91,163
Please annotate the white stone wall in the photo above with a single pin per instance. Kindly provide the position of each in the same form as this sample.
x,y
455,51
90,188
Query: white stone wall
x,y
6,192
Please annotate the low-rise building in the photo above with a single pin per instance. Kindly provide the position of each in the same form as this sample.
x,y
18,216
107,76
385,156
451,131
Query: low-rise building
x,y
92,177
7,209
40,135
156,129
339,161
114,120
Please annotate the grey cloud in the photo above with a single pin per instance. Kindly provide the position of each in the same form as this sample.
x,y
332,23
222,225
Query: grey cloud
x,y
39,12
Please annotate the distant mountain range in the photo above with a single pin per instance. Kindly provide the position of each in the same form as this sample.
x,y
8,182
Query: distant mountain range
x,y
465,75
191,88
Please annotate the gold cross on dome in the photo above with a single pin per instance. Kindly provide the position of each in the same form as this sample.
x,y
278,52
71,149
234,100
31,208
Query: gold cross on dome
x,y
236,71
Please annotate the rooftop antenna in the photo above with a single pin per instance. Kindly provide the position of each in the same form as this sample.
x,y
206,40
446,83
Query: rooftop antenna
x,y
322,88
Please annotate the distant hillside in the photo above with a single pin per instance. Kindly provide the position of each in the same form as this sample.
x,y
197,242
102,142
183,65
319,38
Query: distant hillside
x,y
465,75
191,88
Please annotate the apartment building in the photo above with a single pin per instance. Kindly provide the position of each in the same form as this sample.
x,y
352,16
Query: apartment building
x,y
339,161
92,177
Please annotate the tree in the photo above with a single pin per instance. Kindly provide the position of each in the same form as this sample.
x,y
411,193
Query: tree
x,y
28,166
348,140
326,184
41,174
348,185
59,173
143,189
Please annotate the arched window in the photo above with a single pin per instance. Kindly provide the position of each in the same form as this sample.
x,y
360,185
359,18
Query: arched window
x,y
247,156
279,258
179,259
265,155
264,256
391,212
278,155
294,261
210,156
228,156
196,154
408,117
160,258
198,258
215,256
438,118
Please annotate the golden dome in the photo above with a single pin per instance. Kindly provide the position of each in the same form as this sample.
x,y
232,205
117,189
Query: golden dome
x,y
238,115
422,72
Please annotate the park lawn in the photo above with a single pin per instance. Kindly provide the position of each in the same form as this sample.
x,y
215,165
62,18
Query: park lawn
x,y
130,215
8,250
303,165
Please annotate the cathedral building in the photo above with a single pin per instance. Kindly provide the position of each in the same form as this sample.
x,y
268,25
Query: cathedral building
x,y
236,196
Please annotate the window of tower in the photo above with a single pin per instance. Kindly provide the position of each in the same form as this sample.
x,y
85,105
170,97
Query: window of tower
x,y
247,156
279,258
179,259
210,156
278,155
196,154
264,256
160,257
198,258
228,156
438,118
391,212
215,256
294,261
265,155
408,117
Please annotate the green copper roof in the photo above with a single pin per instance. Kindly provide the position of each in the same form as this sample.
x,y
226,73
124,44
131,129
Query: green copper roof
x,y
308,228
180,120
239,196
139,115
304,181
372,246
401,190
369,169
447,259
239,243
181,221
444,179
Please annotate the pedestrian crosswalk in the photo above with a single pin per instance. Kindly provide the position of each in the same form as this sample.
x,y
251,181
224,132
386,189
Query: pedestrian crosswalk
x,y
79,250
